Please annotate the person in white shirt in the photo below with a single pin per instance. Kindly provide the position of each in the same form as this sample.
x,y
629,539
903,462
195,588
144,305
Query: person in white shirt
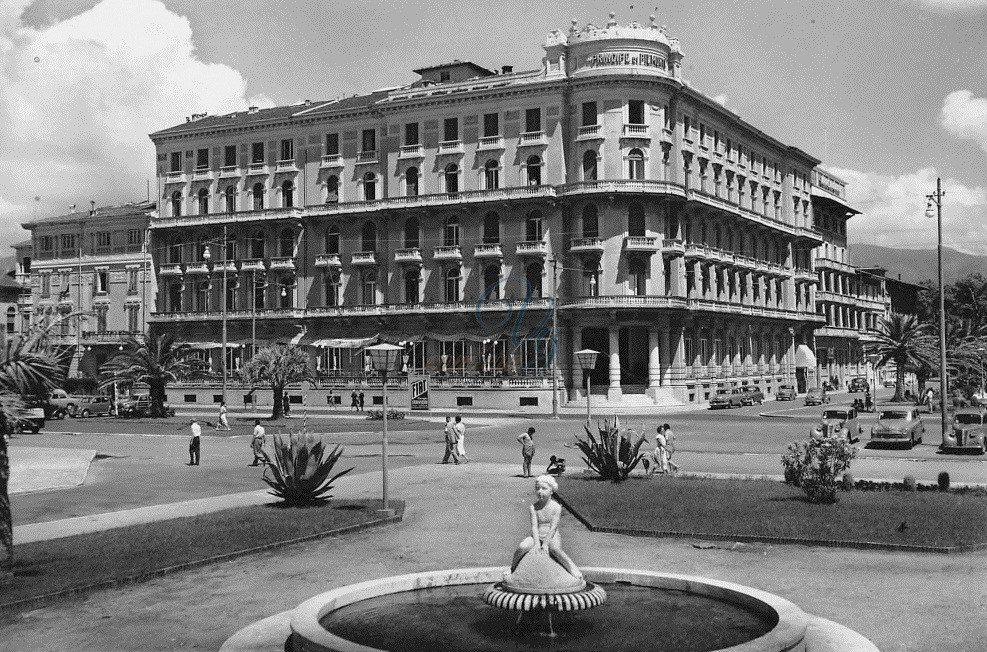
x,y
224,423
257,443
194,444
460,429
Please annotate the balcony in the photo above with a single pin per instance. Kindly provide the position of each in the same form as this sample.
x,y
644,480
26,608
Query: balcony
x,y
328,260
491,142
532,138
252,265
201,174
637,131
622,301
175,177
590,132
643,244
451,147
173,269
283,263
256,169
805,275
364,258
586,246
672,247
108,337
229,171
369,156
411,255
286,165
826,263
488,250
228,266
619,186
697,251
744,262
197,269
412,151
331,161
452,252
532,248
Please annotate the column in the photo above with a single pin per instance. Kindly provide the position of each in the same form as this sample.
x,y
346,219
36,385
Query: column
x,y
665,356
578,382
613,392
677,354
654,360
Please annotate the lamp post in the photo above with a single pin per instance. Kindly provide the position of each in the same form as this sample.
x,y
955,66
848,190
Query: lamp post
x,y
980,354
385,358
935,200
555,337
207,256
587,362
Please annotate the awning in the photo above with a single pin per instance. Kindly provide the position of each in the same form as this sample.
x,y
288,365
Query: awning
x,y
204,346
455,337
345,342
804,357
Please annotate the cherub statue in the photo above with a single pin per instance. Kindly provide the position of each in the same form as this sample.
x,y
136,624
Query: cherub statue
x,y
545,516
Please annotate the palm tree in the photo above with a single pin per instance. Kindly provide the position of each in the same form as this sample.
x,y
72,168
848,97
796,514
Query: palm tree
x,y
278,366
903,340
28,368
156,361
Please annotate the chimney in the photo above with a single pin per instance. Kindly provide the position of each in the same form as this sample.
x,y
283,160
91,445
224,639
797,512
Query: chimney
x,y
308,102
92,207
252,109
507,70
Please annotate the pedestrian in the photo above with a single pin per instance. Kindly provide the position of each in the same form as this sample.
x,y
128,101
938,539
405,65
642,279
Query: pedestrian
x,y
659,457
527,441
257,443
194,445
332,400
671,466
460,429
224,423
450,436
361,401
354,400
286,404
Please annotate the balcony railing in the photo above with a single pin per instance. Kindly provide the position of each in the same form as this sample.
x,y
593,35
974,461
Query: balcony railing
x,y
452,252
286,165
488,250
672,247
624,185
529,138
283,263
175,177
693,250
171,269
491,142
637,131
253,265
409,255
588,132
331,161
451,147
364,258
370,156
200,269
107,336
411,151
646,244
257,168
200,174
328,260
586,245
532,248
624,302
266,214
228,171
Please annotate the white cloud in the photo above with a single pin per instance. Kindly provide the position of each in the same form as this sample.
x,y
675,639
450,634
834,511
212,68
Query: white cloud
x,y
78,99
965,116
894,211
952,5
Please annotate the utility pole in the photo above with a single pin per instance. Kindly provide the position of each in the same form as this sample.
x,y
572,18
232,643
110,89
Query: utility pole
x,y
936,199
225,352
555,337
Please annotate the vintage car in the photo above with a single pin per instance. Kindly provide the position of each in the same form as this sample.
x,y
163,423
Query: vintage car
x,y
726,398
840,423
31,419
816,396
967,432
786,393
93,406
858,385
139,406
751,395
901,425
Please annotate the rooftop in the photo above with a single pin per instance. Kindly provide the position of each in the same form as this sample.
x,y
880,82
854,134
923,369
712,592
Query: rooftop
x,y
119,210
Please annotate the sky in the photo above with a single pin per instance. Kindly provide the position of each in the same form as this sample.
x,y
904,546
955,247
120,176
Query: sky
x,y
891,94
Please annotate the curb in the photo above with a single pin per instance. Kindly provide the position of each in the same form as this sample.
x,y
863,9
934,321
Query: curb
x,y
10,608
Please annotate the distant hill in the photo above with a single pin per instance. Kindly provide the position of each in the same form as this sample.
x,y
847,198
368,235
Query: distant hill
x,y
918,264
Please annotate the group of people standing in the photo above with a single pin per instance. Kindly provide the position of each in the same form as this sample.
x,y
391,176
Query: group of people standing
x,y
356,401
455,436
661,456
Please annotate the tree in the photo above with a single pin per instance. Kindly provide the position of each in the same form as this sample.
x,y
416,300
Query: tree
x,y
278,366
903,340
28,369
155,361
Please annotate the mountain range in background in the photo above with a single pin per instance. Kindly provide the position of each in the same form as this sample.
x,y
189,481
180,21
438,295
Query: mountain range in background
x,y
916,265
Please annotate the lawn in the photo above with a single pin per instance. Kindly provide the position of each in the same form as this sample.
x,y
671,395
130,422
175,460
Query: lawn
x,y
46,567
766,509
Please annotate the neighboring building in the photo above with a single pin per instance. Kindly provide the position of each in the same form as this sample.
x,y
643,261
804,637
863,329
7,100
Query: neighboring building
x,y
433,214
90,280
10,292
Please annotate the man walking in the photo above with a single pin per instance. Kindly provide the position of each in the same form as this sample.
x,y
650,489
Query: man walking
x,y
224,423
194,444
354,400
527,441
257,443
460,430
450,436
361,401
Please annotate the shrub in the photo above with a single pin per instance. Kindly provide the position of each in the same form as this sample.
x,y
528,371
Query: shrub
x,y
378,415
816,466
847,483
910,483
615,454
300,469
943,481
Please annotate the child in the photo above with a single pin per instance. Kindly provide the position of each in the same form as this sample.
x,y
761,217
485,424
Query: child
x,y
545,515
556,466
527,441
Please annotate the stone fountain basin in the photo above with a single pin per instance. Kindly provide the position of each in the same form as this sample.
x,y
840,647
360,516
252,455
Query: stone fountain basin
x,y
788,634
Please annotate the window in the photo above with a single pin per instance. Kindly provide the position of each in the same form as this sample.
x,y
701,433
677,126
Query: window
x,y
287,150
202,296
175,296
47,243
257,245
369,140
369,186
411,182
202,159
11,320
635,164
45,284
533,227
452,284
444,76
533,274
450,129
532,120
332,288
230,199
411,233
533,168
132,280
103,239
176,162
638,273
287,292
332,189
702,134
589,165
491,175
175,251
332,144
133,319
412,280
589,114
450,236
411,134
332,240
102,282
491,125
134,237
68,241
591,221
229,156
687,127
635,112
258,193
491,282
176,204
203,201
635,220
101,320
451,174
491,228
666,117
370,287
369,239
286,244
257,153
287,194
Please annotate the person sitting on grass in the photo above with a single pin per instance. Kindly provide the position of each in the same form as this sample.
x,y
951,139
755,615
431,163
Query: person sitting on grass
x,y
556,466
545,516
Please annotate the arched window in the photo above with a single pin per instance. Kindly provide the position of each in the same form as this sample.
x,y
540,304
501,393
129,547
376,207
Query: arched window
x,y
287,292
287,194
286,244
176,204
532,274
411,182
450,235
491,283
451,174
203,201
230,196
370,287
332,239
491,228
369,240
452,284
589,165
635,164
369,186
591,221
332,189
257,245
533,167
533,227
260,293
411,233
175,251
258,192
635,220
175,296
332,288
412,280
717,237
638,280
11,320
491,175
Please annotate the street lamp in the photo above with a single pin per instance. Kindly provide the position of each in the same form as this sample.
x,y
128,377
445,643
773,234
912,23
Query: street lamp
x,y
935,200
587,362
207,256
980,354
385,358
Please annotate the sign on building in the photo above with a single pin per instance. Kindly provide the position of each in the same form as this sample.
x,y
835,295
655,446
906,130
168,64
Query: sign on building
x,y
419,392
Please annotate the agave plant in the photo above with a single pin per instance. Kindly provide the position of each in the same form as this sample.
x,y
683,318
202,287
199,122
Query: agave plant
x,y
299,471
614,455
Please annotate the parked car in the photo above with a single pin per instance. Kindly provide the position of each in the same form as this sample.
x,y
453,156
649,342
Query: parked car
x,y
751,395
726,398
59,403
858,385
816,396
786,393
139,406
31,420
967,432
842,423
898,425
889,383
93,406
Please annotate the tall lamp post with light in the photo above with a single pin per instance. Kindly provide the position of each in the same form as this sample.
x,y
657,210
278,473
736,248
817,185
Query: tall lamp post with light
x,y
207,256
934,209
385,358
587,362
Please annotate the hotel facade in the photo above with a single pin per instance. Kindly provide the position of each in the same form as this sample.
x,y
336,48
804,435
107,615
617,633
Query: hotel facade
x,y
456,214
